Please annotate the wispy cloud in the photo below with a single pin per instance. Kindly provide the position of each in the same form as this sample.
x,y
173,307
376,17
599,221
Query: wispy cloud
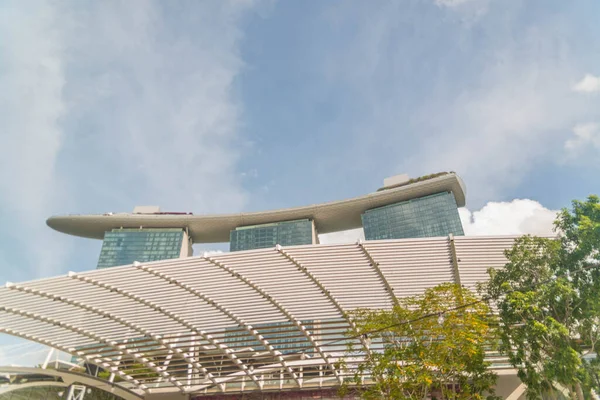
x,y
588,84
451,3
585,137
157,90
495,134
32,107
490,99
495,131
111,104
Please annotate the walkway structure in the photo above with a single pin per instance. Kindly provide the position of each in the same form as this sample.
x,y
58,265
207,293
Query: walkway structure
x,y
259,320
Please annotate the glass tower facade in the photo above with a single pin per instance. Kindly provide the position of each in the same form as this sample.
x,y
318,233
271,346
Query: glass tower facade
x,y
287,233
124,246
434,215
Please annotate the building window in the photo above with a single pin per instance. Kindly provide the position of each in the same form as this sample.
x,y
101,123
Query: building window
x,y
286,233
124,246
429,216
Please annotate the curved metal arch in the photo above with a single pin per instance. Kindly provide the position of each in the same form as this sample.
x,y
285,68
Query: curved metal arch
x,y
171,348
70,377
84,332
93,360
219,346
379,272
277,355
282,309
327,294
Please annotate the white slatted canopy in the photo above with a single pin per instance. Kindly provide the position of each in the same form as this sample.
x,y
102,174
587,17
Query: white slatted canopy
x,y
266,319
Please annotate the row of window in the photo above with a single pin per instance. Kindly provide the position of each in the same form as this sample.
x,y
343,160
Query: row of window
x,y
142,234
142,245
139,256
116,261
121,247
138,241
127,255
435,215
285,233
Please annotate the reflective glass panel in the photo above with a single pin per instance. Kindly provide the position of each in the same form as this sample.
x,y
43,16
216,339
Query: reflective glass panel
x,y
435,215
287,233
124,246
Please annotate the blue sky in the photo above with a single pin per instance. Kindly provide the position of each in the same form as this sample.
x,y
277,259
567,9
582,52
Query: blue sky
x,y
217,106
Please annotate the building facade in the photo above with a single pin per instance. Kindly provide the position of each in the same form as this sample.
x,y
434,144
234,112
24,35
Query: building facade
x,y
403,208
285,233
429,216
124,246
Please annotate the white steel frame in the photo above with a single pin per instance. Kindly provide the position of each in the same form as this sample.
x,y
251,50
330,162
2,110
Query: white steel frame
x,y
175,317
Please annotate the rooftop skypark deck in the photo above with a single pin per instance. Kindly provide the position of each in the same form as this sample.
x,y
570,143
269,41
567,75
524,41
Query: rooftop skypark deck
x,y
328,217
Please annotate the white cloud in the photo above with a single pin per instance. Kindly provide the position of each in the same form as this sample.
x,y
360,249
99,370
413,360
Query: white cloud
x,y
494,124
32,106
585,137
520,216
162,101
32,83
114,104
589,84
495,133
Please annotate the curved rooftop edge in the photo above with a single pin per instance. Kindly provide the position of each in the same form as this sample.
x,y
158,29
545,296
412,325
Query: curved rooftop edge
x,y
328,217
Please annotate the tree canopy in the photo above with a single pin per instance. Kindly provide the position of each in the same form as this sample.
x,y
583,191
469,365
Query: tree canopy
x,y
548,300
428,346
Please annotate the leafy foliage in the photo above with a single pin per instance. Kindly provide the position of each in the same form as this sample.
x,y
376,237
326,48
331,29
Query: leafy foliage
x,y
548,298
439,353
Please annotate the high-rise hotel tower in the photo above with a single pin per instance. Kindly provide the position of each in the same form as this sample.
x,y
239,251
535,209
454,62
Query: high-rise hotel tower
x,y
402,208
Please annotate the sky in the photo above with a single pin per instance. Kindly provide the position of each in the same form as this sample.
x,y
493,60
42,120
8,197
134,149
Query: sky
x,y
227,106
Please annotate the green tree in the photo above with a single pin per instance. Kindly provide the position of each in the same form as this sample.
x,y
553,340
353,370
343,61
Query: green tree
x,y
549,305
430,345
